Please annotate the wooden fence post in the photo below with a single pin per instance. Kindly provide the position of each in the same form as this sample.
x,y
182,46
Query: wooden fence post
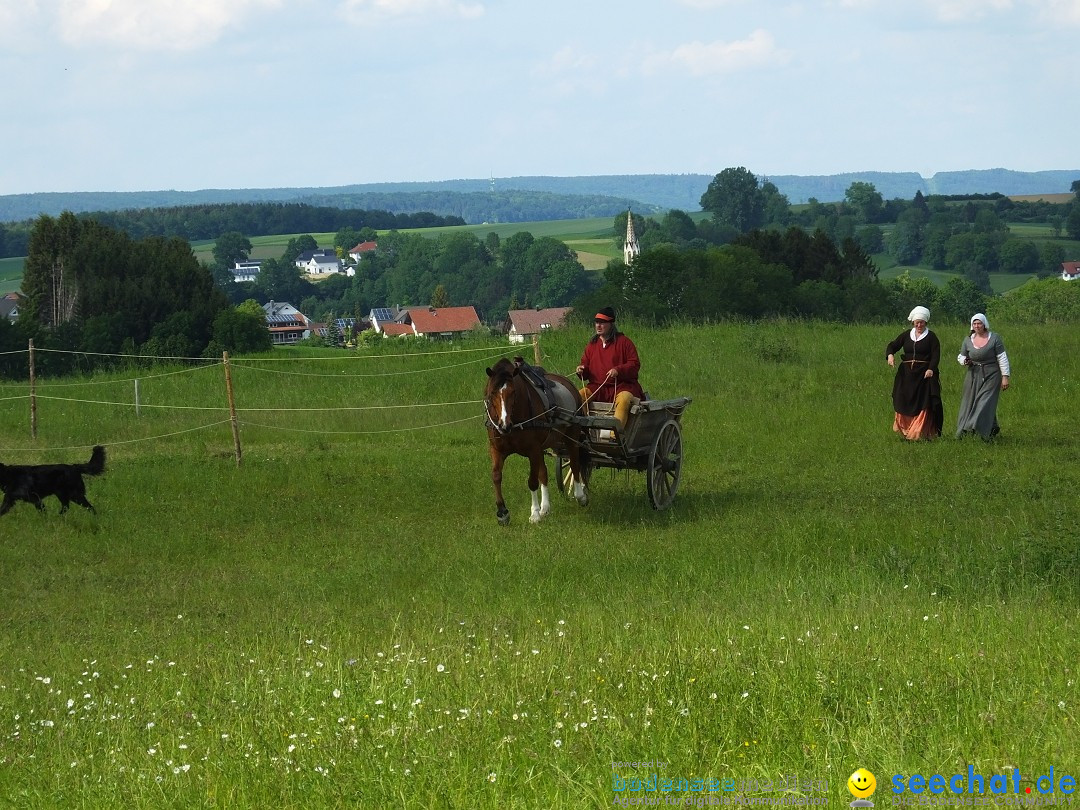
x,y
232,406
33,394
536,349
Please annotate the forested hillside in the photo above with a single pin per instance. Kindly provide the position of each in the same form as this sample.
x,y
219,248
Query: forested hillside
x,y
524,199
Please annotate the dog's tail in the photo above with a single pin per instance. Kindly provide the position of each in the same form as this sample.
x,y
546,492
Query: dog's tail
x,y
96,465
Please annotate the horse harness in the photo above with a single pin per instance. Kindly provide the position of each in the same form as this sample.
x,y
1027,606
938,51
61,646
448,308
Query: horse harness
x,y
537,379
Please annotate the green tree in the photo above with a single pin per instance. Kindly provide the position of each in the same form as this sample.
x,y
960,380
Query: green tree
x,y
961,298
776,208
1019,256
1051,255
865,201
870,238
49,275
230,248
735,199
240,330
439,298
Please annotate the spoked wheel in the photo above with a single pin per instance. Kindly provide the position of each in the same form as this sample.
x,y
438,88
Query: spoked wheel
x,y
566,475
665,465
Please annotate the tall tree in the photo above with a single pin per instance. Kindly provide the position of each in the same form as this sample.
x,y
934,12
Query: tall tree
x,y
49,274
865,200
734,198
230,248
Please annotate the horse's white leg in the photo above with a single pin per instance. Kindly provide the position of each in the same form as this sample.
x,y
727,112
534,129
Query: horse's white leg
x,y
536,514
580,493
545,501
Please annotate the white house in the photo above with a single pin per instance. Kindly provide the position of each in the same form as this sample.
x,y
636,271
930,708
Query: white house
x,y
1070,271
246,271
363,249
319,262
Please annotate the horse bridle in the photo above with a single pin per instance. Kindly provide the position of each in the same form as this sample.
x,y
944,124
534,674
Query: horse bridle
x,y
492,424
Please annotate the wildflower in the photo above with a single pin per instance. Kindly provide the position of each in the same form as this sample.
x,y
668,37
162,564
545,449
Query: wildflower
x,y
336,693
558,743
440,668
492,777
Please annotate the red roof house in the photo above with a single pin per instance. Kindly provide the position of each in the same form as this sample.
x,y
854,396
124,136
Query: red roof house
x,y
446,322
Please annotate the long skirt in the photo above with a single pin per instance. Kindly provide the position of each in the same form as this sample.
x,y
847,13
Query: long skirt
x,y
978,405
917,403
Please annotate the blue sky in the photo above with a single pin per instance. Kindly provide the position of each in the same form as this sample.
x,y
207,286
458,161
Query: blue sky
x,y
128,95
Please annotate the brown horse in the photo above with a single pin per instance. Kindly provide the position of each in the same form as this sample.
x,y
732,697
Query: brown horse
x,y
520,420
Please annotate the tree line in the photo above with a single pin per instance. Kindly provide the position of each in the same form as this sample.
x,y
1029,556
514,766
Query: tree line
x,y
200,222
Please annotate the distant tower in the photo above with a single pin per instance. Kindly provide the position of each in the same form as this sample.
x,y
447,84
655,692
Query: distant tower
x,y
631,248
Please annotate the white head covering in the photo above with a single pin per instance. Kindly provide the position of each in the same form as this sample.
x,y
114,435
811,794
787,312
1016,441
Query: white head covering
x,y
978,316
919,314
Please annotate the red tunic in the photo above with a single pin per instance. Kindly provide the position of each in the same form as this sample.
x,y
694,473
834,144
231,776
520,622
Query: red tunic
x,y
620,354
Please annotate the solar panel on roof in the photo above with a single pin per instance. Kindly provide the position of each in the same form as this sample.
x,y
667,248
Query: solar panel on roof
x,y
383,314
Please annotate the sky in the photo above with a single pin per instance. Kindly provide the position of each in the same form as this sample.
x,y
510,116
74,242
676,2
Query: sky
x,y
140,95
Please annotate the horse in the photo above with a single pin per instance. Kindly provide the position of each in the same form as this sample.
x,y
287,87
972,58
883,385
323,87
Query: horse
x,y
518,420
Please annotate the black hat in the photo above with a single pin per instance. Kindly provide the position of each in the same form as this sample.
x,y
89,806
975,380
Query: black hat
x,y
607,314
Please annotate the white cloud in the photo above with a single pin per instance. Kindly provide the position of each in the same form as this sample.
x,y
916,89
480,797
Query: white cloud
x,y
565,60
954,11
1058,11
705,58
706,4
15,15
373,11
175,25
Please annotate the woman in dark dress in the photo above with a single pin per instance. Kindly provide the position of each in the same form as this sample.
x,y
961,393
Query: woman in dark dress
x,y
916,388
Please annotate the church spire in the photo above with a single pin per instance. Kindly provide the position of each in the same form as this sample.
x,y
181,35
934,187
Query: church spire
x,y
631,248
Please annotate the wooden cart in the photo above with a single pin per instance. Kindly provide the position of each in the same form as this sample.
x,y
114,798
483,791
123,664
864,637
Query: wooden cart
x,y
650,443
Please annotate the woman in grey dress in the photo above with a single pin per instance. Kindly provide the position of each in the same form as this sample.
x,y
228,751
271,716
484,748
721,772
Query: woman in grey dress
x,y
983,352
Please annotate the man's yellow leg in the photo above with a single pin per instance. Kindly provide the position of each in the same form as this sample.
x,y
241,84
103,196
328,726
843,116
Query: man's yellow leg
x,y
584,401
623,401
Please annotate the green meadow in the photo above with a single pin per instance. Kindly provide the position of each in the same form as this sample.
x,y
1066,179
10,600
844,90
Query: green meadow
x,y
339,621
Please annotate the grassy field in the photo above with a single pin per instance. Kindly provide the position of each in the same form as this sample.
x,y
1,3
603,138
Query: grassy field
x,y
340,622
11,272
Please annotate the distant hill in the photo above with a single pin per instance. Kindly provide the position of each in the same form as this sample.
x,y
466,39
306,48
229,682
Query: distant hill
x,y
521,199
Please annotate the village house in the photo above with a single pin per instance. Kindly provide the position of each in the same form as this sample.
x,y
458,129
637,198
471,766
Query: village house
x,y
444,323
319,262
1070,271
363,249
286,323
522,324
246,270
9,306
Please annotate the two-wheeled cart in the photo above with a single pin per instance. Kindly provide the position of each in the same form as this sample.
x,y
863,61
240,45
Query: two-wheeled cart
x,y
651,443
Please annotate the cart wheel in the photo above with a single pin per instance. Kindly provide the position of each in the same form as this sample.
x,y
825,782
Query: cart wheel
x,y
566,475
665,465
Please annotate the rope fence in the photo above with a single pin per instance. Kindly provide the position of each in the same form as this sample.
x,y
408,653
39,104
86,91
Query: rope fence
x,y
38,391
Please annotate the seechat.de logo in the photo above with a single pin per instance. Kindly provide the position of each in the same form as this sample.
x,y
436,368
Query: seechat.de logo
x,y
862,785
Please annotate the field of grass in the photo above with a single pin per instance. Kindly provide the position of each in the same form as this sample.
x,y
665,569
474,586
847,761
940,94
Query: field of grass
x,y
340,622
11,271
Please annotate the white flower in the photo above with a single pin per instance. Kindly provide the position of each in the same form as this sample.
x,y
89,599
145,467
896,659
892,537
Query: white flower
x,y
492,777
746,694
712,696
1061,705
336,693
440,668
558,743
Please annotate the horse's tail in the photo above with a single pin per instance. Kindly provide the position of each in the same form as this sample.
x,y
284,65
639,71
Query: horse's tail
x,y
583,453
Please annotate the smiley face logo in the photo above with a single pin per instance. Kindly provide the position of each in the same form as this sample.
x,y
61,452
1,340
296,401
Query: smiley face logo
x,y
862,784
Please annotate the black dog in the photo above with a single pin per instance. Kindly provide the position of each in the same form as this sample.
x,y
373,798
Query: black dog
x,y
35,482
